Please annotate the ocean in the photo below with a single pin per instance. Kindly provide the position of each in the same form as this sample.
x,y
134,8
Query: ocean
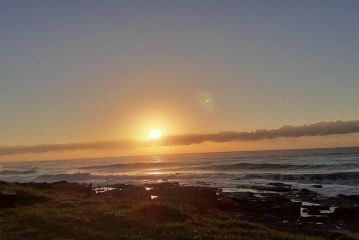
x,y
336,169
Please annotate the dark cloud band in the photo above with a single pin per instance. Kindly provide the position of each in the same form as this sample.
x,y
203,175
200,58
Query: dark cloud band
x,y
316,129
43,148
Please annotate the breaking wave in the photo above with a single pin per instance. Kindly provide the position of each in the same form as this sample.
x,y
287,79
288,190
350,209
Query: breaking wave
x,y
116,178
221,167
338,176
17,172
126,166
271,166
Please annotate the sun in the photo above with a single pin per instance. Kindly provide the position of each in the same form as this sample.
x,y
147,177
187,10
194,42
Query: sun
x,y
154,134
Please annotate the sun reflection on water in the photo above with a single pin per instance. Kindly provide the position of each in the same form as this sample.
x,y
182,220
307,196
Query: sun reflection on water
x,y
155,173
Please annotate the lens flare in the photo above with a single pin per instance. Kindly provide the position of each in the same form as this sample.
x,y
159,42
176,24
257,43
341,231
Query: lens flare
x,y
206,101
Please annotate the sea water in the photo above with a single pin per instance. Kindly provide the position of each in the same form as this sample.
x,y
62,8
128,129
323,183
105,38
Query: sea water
x,y
336,169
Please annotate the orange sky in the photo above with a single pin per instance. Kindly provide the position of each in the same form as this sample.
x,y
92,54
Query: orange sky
x,y
91,72
351,140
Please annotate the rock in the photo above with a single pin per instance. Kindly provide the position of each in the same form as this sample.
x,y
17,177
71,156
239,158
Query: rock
x,y
276,208
273,188
8,198
345,213
232,201
315,209
203,183
90,189
42,185
354,198
317,186
69,186
343,200
164,185
59,185
265,203
199,197
274,197
239,196
129,192
279,184
305,210
288,209
305,191
281,205
228,204
306,195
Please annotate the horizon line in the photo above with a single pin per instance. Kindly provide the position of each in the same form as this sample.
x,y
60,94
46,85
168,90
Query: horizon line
x,y
184,153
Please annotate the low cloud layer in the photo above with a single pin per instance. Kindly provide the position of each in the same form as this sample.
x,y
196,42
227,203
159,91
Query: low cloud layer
x,y
316,129
44,148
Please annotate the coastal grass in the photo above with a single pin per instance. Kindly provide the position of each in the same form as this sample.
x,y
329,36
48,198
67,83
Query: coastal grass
x,y
66,215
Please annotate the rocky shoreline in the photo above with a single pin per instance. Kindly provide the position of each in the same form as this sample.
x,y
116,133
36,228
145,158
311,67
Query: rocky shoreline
x,y
276,205
298,210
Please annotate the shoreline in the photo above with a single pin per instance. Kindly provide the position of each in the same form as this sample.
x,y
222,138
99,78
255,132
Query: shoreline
x,y
276,205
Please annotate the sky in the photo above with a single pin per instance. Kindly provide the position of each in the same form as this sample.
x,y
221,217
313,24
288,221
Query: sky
x,y
103,71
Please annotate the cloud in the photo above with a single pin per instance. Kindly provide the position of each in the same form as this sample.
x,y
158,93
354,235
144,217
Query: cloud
x,y
316,129
43,148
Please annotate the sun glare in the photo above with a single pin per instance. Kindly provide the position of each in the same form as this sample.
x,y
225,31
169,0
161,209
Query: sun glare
x,y
154,134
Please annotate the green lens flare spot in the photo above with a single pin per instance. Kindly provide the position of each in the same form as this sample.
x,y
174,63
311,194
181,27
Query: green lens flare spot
x,y
206,101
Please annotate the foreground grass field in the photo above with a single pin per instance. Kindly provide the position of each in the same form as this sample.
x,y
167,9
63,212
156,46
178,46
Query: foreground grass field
x,y
55,214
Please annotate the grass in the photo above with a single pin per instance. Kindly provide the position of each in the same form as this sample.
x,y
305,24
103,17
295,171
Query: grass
x,y
61,215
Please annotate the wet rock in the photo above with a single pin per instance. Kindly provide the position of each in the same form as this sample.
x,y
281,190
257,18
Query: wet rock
x,y
59,185
232,201
353,198
344,213
305,191
317,186
227,204
306,195
202,183
119,185
7,198
279,184
199,197
315,209
281,205
274,197
164,185
272,188
343,200
288,209
276,208
3,182
240,196
129,192
69,186
264,203
42,185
